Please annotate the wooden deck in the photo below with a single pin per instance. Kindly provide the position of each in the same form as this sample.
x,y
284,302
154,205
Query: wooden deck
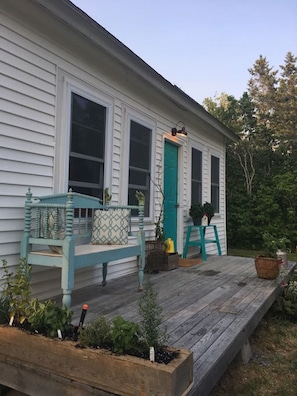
x,y
211,308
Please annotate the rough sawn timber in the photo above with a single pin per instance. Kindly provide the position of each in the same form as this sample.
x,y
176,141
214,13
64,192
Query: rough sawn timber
x,y
37,365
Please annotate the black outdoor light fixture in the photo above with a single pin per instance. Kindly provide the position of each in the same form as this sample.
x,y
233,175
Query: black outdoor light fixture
x,y
179,128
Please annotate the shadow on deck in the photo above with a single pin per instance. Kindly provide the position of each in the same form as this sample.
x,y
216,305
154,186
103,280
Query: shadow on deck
x,y
211,308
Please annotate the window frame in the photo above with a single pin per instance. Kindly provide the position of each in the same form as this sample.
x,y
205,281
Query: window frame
x,y
132,115
215,184
197,148
63,128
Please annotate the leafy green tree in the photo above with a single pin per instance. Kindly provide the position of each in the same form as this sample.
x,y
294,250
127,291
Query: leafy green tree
x,y
261,166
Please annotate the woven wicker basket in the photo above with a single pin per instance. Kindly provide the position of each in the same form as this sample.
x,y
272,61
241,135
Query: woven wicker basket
x,y
267,268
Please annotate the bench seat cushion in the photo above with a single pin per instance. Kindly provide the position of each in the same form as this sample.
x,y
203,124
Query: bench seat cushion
x,y
110,227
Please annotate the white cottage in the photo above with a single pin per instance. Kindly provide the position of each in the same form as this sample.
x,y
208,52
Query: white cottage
x,y
81,110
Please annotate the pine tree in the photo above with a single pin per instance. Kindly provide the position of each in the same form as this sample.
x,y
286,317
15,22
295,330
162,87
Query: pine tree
x,y
285,119
262,90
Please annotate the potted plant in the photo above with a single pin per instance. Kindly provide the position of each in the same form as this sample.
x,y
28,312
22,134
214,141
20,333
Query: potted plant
x,y
208,210
196,212
268,264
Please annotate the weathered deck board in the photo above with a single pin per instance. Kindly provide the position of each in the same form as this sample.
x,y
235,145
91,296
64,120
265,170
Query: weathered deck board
x,y
211,308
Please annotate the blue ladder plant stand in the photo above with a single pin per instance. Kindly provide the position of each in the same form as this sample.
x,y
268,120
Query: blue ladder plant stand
x,y
202,241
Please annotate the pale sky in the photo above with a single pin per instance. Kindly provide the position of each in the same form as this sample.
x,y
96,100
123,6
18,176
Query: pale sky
x,y
205,47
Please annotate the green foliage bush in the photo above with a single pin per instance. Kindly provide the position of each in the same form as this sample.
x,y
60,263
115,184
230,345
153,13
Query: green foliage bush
x,y
17,290
4,310
16,302
47,318
125,336
286,303
97,333
151,317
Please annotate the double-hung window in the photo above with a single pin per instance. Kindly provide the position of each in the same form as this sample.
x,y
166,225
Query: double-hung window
x,y
215,183
196,176
139,163
87,146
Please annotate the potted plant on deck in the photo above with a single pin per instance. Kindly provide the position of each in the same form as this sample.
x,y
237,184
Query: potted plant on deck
x,y
208,210
197,211
268,263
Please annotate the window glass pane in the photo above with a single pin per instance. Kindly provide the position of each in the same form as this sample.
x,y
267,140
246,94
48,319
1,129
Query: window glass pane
x,y
87,146
215,183
85,171
196,185
139,163
215,170
87,141
140,137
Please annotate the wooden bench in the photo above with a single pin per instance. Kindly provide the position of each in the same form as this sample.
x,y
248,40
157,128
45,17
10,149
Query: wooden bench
x,y
60,232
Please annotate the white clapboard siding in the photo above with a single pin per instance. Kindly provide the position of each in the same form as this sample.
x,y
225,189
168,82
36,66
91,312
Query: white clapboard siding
x,y
34,71
27,114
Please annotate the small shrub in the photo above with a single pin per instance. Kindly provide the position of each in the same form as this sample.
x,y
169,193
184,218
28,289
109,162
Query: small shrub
x,y
47,318
151,318
17,290
97,333
125,336
286,303
4,310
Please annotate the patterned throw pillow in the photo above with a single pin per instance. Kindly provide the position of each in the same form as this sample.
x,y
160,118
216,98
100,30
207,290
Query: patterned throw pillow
x,y
110,227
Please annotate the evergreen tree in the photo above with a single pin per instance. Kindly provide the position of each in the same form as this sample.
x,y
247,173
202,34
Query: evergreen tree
x,y
260,168
262,89
285,118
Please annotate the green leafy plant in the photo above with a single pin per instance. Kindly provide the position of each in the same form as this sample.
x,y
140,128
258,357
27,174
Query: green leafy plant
x,y
209,210
47,318
286,303
4,310
151,318
17,290
196,210
97,333
271,244
125,336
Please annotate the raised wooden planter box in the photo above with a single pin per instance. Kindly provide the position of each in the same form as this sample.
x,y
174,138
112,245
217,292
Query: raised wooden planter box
x,y
36,365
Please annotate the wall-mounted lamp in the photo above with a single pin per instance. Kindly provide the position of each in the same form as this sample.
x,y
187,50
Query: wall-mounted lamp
x,y
179,128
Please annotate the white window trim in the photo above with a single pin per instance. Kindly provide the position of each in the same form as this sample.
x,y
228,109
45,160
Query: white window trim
x,y
132,115
199,147
217,154
66,87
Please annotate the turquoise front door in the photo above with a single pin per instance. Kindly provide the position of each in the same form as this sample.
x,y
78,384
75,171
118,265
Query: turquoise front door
x,y
170,191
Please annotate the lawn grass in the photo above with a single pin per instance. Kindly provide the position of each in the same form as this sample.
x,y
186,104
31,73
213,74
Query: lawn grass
x,y
254,253
272,369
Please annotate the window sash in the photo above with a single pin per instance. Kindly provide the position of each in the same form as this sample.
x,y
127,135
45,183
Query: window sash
x,y
196,176
139,163
215,183
87,146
